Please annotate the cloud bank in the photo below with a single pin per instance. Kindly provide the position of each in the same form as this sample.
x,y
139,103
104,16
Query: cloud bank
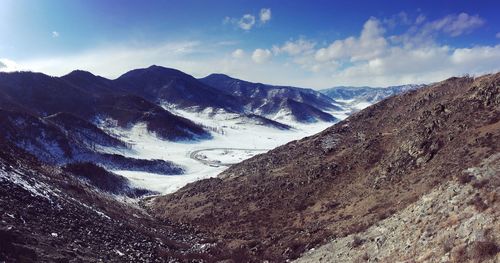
x,y
375,56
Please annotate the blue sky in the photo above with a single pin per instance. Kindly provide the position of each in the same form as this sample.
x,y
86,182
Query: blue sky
x,y
314,44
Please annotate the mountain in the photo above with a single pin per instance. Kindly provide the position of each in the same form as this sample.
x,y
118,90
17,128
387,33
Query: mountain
x,y
366,94
91,83
259,120
90,97
271,101
170,86
419,170
45,95
64,139
128,110
104,180
83,130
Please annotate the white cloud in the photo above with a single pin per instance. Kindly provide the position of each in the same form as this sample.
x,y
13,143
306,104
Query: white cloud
x,y
228,20
7,65
247,22
295,48
261,55
265,15
112,61
456,25
420,19
402,18
497,35
55,34
238,53
372,57
369,44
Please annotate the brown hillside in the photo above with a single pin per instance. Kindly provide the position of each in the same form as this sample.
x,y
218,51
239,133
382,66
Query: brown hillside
x,y
343,180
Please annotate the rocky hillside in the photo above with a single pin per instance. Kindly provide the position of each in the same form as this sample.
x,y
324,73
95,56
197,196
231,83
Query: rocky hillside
x,y
376,165
455,222
51,215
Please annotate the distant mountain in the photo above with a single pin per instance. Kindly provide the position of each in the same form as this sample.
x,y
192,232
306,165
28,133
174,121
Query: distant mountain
x,y
259,120
303,105
366,94
91,83
90,97
292,110
171,86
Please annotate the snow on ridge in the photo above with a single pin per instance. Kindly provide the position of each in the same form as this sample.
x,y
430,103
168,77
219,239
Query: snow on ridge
x,y
36,188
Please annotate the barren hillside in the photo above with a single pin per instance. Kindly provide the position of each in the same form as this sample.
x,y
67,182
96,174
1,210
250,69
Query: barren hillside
x,y
348,178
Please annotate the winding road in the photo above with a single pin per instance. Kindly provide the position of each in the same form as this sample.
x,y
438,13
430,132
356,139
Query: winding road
x,y
195,155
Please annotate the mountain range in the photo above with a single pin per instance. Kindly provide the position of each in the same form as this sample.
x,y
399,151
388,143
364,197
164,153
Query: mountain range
x,y
60,119
419,167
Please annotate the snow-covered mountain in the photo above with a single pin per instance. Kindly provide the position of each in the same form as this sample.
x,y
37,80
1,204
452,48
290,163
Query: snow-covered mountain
x,y
63,139
170,86
280,103
90,98
365,95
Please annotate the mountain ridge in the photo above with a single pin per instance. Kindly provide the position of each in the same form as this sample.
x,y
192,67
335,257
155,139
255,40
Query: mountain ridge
x,y
345,179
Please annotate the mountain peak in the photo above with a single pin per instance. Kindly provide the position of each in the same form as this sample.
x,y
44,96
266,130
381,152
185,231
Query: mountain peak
x,y
80,73
218,76
153,70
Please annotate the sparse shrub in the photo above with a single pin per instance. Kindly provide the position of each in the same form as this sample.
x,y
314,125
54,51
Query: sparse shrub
x,y
448,244
480,184
484,249
357,241
465,178
459,254
364,258
478,203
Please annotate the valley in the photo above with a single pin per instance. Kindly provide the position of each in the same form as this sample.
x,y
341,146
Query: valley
x,y
271,176
236,131
231,133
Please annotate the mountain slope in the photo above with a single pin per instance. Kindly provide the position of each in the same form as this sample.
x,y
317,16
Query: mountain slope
x,y
165,85
49,215
62,139
268,100
84,131
91,83
90,97
345,179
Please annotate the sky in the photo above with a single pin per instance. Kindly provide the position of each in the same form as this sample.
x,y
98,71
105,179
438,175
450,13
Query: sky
x,y
315,44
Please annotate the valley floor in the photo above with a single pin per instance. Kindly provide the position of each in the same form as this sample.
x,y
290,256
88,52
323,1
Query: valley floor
x,y
233,141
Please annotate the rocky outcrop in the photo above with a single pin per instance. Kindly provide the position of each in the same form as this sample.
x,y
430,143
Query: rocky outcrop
x,y
456,222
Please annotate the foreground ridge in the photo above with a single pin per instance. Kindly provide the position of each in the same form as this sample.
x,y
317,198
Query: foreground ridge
x,y
346,179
